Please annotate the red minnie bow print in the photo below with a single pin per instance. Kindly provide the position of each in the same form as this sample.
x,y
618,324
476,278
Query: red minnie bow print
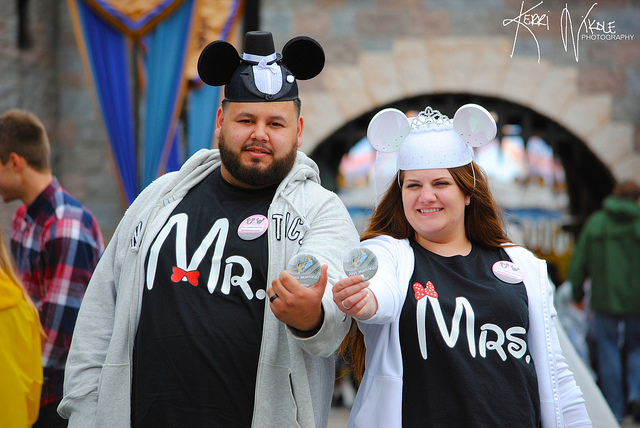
x,y
421,291
179,275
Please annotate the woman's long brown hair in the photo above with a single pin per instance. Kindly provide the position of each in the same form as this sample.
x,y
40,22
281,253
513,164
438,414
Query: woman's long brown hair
x,y
483,225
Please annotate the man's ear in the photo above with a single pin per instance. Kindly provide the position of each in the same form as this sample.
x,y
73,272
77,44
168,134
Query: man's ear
x,y
16,162
300,128
219,120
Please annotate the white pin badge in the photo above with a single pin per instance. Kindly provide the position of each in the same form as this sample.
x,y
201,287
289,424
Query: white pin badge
x,y
305,268
507,272
253,227
360,261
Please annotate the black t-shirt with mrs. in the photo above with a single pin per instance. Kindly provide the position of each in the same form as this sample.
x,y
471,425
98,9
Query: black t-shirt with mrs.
x,y
463,336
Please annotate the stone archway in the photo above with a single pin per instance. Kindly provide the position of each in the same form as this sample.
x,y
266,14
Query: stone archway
x,y
461,65
588,180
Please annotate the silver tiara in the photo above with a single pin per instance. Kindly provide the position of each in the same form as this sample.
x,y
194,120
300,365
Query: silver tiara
x,y
428,118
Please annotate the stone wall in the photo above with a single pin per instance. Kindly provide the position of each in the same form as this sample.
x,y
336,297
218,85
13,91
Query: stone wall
x,y
386,50
27,77
48,79
377,51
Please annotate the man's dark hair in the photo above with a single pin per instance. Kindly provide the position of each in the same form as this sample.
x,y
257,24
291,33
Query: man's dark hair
x,y
627,190
21,132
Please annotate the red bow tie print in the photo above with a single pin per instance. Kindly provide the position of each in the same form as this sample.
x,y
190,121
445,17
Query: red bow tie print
x,y
421,291
179,275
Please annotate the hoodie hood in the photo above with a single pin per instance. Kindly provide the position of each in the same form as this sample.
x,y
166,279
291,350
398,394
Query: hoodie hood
x,y
622,209
195,169
303,169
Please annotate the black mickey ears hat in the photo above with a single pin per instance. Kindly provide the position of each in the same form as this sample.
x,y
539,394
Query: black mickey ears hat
x,y
260,74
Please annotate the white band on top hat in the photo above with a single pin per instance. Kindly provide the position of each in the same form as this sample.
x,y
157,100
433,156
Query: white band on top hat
x,y
259,58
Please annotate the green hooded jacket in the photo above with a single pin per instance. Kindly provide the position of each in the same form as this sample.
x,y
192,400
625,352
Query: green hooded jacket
x,y
608,252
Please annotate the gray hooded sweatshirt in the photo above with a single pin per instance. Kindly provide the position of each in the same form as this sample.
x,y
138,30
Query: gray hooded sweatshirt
x,y
295,376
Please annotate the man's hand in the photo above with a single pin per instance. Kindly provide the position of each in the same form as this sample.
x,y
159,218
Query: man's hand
x,y
296,305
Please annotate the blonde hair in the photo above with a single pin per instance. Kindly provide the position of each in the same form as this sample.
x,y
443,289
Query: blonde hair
x,y
8,269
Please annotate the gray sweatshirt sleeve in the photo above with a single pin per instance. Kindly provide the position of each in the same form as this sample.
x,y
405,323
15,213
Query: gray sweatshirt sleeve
x,y
91,339
98,370
330,236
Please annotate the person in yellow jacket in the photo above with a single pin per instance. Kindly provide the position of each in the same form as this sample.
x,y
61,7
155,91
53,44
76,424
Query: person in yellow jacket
x,y
20,349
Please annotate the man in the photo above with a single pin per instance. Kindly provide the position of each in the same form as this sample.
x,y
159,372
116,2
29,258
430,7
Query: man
x,y
190,318
55,241
607,252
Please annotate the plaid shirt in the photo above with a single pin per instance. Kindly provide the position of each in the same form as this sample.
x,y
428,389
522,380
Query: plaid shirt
x,y
56,244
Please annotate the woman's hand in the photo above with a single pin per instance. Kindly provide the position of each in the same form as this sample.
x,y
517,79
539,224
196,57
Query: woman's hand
x,y
354,298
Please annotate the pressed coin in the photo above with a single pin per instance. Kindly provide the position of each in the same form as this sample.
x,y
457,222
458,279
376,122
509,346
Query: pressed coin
x,y
305,268
360,261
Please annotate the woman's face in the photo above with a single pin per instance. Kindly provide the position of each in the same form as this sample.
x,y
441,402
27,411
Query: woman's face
x,y
434,206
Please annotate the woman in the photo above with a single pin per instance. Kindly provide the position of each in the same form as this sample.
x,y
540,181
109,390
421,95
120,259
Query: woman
x,y
20,349
458,322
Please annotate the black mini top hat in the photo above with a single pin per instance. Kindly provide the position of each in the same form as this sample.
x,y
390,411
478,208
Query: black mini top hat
x,y
260,74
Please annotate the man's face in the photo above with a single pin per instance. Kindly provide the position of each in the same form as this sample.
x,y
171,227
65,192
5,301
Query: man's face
x,y
10,188
258,142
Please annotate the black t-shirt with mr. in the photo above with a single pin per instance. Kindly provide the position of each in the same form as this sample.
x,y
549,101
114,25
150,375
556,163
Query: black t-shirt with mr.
x,y
198,340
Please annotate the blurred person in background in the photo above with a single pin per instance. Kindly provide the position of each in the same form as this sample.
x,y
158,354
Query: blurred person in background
x,y
55,242
20,349
608,253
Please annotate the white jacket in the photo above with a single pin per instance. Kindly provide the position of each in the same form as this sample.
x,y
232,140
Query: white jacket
x,y
295,376
379,399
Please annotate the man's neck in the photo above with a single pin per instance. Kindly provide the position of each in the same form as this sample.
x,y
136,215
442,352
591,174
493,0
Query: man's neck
x,y
34,183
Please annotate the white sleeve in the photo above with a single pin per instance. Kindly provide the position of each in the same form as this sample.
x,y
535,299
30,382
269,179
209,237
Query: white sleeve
x,y
389,285
572,401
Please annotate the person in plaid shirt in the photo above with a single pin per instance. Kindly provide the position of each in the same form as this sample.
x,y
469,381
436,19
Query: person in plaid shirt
x,y
55,241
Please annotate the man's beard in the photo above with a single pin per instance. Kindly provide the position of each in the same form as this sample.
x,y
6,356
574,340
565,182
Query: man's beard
x,y
254,175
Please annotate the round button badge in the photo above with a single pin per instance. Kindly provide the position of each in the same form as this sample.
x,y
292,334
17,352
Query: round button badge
x,y
253,227
360,261
305,268
507,272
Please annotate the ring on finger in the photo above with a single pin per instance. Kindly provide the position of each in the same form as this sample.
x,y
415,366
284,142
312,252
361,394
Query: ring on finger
x,y
274,297
345,307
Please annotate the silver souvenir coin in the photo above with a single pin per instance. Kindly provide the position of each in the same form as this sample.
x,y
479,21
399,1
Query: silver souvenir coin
x,y
305,268
360,261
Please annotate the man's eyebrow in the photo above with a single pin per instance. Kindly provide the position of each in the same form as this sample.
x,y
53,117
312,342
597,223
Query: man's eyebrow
x,y
244,114
278,117
253,116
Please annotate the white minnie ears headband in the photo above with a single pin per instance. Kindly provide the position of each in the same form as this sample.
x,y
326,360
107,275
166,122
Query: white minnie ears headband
x,y
428,141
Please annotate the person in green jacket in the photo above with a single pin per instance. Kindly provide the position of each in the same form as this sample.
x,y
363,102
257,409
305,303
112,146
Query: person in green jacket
x,y
608,253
